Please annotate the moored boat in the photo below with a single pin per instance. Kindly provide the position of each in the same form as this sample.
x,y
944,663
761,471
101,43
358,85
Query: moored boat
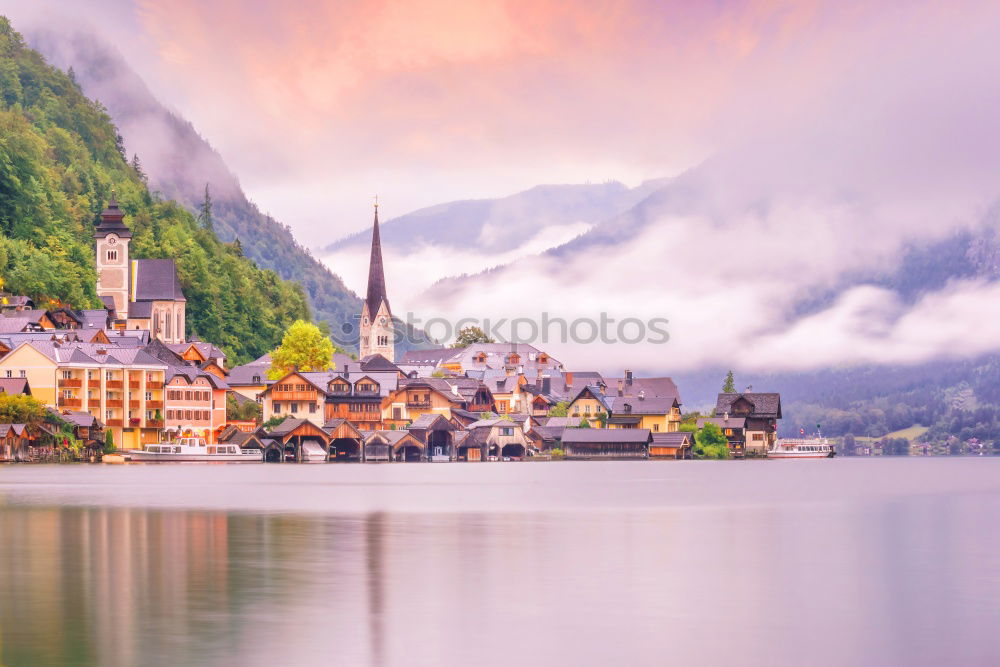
x,y
801,448
194,449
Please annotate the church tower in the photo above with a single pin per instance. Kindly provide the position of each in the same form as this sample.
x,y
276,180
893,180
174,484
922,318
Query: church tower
x,y
112,237
377,335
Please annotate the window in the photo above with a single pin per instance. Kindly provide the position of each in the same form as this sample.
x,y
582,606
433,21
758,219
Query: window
x,y
112,255
10,374
656,427
149,395
107,414
294,408
277,408
108,375
255,379
758,436
90,375
24,374
312,408
66,375
729,431
506,430
187,395
67,393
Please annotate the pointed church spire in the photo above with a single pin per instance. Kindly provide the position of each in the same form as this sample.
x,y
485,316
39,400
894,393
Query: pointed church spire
x,y
376,274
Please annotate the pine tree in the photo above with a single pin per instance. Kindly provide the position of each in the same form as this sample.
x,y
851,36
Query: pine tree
x,y
729,387
205,210
137,167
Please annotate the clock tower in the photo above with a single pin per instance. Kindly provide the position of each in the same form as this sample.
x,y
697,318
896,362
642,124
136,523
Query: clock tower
x,y
112,238
377,333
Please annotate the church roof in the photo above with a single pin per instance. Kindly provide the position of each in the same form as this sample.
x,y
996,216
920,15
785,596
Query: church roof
x,y
376,274
156,280
112,222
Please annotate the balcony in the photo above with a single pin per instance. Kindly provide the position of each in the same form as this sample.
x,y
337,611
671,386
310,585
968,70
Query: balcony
x,y
154,405
70,383
150,385
133,404
113,403
308,396
154,423
418,404
114,384
113,422
70,403
134,385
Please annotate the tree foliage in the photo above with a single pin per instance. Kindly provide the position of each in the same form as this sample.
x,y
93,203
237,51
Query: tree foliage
x,y
60,158
710,442
469,335
241,411
729,386
560,409
303,348
20,409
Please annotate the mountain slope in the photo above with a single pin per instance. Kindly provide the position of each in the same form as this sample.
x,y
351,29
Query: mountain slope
x,y
179,163
60,159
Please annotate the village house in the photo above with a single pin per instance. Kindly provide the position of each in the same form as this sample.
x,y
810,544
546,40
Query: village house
x,y
731,427
494,439
672,445
760,412
122,387
604,443
591,404
250,380
416,397
656,413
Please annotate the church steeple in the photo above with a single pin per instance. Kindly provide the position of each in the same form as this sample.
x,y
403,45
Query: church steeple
x,y
377,334
376,273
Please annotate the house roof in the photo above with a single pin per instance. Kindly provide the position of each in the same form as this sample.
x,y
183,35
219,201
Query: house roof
x,y
244,375
112,222
672,439
376,362
78,418
732,422
497,421
18,429
156,280
658,387
648,405
427,357
140,310
13,324
429,420
14,386
766,405
549,433
605,435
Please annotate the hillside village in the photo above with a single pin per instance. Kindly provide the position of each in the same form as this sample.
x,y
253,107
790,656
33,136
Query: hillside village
x,y
128,375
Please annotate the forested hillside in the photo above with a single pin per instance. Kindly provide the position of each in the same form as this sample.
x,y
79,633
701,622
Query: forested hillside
x,y
60,159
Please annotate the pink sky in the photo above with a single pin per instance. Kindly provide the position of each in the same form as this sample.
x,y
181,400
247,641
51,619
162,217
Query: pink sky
x,y
318,105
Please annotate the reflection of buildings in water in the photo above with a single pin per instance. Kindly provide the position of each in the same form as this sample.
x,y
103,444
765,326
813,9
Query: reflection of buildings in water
x,y
374,542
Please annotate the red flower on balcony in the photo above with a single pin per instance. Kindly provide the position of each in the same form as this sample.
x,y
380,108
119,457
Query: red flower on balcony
x,y
134,421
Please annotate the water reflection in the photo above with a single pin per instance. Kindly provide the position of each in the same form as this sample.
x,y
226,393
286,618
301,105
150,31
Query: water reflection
x,y
909,580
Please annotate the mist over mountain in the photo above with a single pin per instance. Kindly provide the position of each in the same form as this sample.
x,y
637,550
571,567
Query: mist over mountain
x,y
179,163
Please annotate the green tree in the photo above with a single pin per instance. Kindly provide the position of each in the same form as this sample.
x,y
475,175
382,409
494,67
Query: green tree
x,y
20,409
710,442
241,411
109,442
729,386
560,409
304,348
205,210
469,335
583,423
274,421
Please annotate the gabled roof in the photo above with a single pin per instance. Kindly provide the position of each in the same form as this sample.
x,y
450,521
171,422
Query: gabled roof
x,y
156,280
496,421
13,324
376,362
721,422
14,386
672,439
17,429
428,420
648,405
594,392
765,405
427,357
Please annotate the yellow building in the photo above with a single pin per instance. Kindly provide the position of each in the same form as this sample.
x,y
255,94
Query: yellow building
x,y
590,403
121,387
657,414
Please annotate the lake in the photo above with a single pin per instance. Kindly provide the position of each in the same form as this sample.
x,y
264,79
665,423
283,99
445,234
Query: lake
x,y
892,561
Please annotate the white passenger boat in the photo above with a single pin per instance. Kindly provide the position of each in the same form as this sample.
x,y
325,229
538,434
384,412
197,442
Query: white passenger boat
x,y
801,448
194,449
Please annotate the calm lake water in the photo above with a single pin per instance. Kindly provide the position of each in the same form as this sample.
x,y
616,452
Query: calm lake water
x,y
842,562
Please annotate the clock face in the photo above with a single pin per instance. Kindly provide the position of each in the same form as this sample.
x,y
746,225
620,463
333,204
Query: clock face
x,y
112,240
382,321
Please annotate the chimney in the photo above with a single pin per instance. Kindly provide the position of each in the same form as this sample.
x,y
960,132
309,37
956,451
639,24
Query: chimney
x,y
725,416
569,379
642,395
628,377
546,385
621,384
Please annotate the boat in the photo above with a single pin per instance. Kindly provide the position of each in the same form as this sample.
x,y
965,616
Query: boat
x,y
194,449
801,448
